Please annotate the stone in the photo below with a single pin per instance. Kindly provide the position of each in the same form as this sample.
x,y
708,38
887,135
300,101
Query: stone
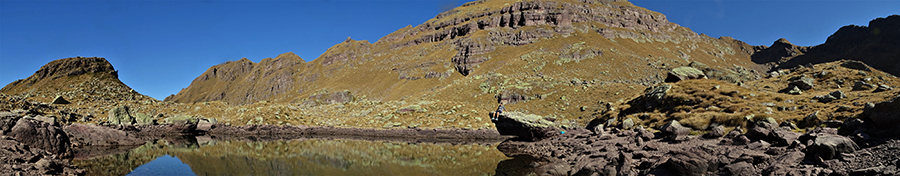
x,y
830,146
684,73
811,120
862,85
59,100
143,119
716,132
839,94
675,131
120,116
886,114
182,123
657,92
740,169
794,90
856,65
850,126
803,83
789,124
882,88
825,98
206,124
528,127
784,138
627,123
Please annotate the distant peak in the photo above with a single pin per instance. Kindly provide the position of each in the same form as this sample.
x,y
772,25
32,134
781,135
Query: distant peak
x,y
782,41
289,55
348,40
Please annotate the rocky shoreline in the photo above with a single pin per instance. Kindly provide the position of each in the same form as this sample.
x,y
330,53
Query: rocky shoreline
x,y
764,147
33,145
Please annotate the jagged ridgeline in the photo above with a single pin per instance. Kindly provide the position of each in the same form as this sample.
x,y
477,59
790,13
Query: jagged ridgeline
x,y
565,50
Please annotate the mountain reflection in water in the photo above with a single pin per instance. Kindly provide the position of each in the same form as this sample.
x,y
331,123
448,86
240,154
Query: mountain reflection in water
x,y
298,157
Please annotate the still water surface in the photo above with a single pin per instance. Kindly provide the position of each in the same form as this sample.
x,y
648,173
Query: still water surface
x,y
294,157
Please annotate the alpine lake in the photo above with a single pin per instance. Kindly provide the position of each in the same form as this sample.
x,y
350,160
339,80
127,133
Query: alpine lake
x,y
204,155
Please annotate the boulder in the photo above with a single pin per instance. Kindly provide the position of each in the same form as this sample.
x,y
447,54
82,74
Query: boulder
x,y
182,123
206,124
839,94
831,146
811,120
882,88
741,169
120,115
803,83
93,135
41,135
716,132
856,65
684,73
528,127
627,123
59,100
862,85
886,114
794,90
143,119
675,131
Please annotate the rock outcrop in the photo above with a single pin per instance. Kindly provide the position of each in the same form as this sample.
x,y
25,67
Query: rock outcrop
x,y
528,127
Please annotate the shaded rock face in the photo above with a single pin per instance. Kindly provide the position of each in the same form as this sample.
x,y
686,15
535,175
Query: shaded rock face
x,y
876,45
527,127
886,115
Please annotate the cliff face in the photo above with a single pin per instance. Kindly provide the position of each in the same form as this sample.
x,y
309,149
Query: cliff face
x,y
484,50
243,81
78,78
877,45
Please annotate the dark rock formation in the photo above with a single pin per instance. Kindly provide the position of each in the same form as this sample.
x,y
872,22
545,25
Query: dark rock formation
x,y
876,45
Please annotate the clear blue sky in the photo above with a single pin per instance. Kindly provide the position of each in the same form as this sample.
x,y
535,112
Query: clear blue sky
x,y
159,47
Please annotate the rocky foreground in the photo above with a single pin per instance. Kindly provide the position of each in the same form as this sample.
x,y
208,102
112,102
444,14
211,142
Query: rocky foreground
x,y
855,147
34,144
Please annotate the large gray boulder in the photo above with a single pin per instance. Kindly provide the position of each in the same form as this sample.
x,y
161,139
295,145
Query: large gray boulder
x,y
527,127
120,115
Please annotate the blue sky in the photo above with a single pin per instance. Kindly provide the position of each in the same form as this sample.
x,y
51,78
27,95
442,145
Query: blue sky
x,y
159,47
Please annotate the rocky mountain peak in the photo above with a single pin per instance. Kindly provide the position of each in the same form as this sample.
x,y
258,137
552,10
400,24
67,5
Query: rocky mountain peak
x,y
877,45
75,78
75,66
